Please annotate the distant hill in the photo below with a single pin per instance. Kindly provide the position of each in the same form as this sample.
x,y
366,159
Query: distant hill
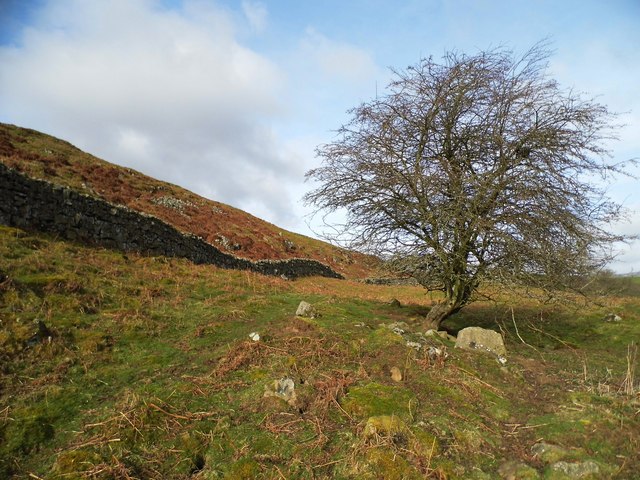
x,y
231,230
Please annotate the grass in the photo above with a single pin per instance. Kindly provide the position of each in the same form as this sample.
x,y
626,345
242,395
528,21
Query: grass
x,y
149,372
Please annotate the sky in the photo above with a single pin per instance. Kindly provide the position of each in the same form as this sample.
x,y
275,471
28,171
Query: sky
x,y
229,98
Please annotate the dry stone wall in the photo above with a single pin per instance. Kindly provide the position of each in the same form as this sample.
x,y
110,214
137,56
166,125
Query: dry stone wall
x,y
39,205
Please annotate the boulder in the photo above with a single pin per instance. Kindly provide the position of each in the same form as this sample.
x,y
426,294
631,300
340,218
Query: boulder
x,y
306,310
476,338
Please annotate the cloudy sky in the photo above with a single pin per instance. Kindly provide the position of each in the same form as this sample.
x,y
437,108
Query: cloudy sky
x,y
229,98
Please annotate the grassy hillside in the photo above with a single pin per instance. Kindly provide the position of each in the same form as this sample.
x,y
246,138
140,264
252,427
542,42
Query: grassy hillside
x,y
230,229
143,368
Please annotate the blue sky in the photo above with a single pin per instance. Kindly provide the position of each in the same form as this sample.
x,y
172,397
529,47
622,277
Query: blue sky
x,y
229,98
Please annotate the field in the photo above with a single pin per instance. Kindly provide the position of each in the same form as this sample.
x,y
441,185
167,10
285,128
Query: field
x,y
123,366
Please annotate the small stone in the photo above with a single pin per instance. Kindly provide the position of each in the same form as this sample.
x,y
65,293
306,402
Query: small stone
x,y
441,334
395,302
514,470
399,328
396,374
283,388
306,310
255,336
414,345
548,452
445,335
436,353
612,317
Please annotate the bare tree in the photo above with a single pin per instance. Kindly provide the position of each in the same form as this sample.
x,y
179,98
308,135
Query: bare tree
x,y
477,168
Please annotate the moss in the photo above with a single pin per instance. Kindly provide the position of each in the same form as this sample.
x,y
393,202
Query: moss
x,y
518,471
425,444
384,464
470,440
375,399
71,464
384,425
27,434
243,469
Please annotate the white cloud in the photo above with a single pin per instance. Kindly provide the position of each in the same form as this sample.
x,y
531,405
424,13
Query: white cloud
x,y
337,60
172,93
256,14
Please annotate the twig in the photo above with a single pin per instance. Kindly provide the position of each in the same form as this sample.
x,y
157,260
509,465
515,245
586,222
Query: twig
x,y
160,409
280,473
494,389
328,463
95,441
515,325
342,409
530,325
131,423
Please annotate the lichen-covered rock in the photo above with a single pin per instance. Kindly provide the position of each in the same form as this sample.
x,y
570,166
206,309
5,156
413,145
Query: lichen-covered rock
x,y
306,310
577,470
481,339
612,317
283,389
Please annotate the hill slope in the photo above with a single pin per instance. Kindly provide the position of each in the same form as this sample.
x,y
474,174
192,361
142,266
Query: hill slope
x,y
227,228
131,367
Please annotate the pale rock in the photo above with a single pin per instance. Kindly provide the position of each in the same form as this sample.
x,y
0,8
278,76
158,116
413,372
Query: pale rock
x,y
396,374
476,338
414,345
577,470
612,317
283,389
306,310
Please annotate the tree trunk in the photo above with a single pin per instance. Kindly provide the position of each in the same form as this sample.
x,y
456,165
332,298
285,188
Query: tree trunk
x,y
440,312
457,295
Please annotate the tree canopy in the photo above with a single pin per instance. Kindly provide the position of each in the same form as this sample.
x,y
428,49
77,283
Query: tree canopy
x,y
479,167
